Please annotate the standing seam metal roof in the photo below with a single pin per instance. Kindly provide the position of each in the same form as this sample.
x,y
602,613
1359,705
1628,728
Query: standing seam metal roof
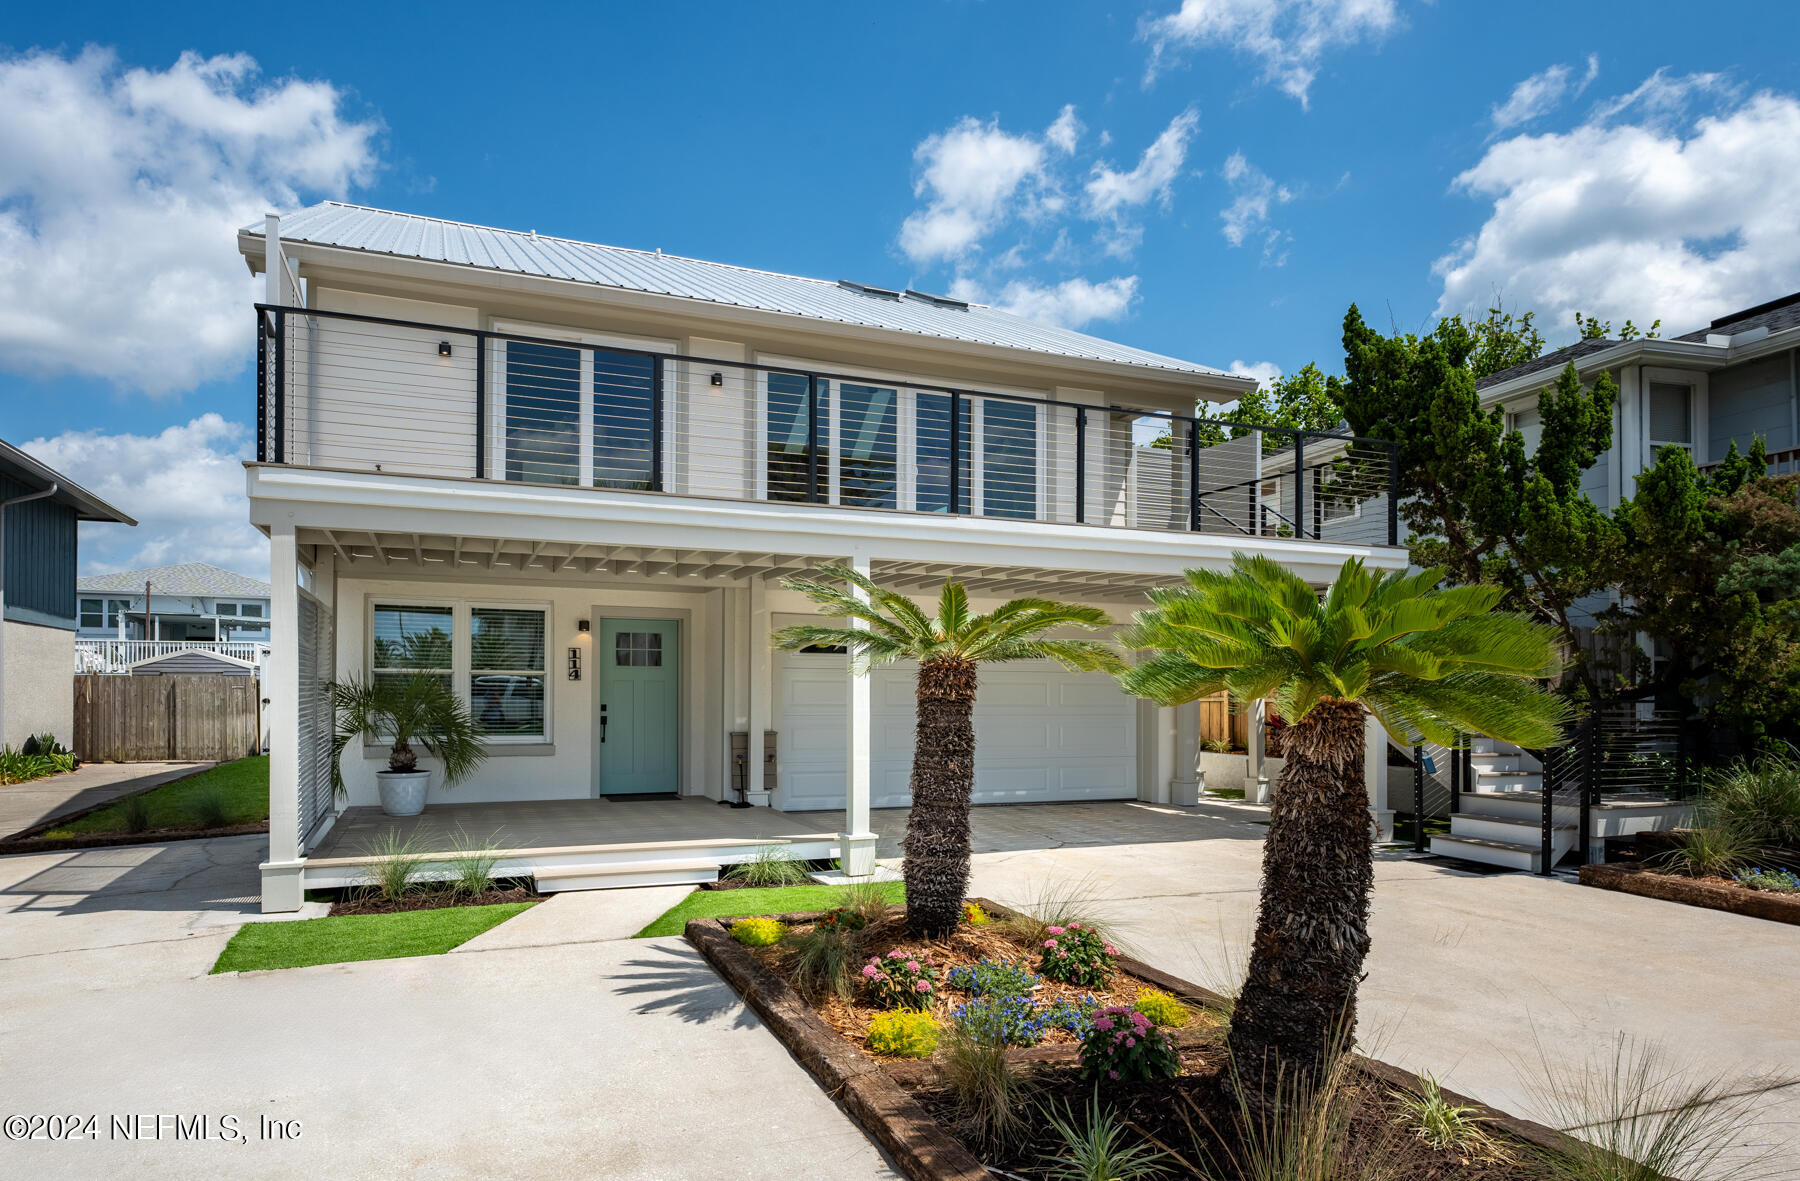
x,y
379,231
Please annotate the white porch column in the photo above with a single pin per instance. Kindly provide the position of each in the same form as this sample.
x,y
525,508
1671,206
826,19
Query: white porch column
x,y
858,842
281,889
1184,785
1375,778
756,635
1256,782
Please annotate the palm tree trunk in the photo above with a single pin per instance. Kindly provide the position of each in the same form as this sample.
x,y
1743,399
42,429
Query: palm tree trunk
x,y
1298,1005
943,776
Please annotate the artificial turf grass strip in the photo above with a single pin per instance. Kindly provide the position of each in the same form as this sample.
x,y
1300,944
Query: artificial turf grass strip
x,y
244,783
306,943
713,904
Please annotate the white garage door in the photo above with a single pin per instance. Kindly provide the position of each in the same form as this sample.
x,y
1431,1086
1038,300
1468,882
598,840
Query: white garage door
x,y
1041,733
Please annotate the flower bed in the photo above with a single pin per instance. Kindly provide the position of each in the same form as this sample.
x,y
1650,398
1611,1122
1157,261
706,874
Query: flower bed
x,y
1712,893
906,1104
358,901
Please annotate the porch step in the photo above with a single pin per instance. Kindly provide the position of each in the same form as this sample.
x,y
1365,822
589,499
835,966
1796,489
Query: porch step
x,y
1508,780
1509,854
1505,829
620,875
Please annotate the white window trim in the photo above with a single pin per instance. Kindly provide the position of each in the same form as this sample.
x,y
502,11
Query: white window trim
x,y
585,340
1696,381
461,646
907,387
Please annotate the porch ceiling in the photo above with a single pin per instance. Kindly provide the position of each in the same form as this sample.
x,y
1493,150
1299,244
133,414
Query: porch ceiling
x,y
388,554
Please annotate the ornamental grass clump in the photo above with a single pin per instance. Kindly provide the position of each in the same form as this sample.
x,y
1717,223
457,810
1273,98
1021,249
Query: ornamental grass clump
x,y
904,1033
825,960
1123,1046
1162,1008
1076,954
1437,1121
901,979
758,932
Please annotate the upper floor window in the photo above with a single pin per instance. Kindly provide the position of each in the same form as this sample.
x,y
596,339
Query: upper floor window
x,y
581,416
103,613
1671,415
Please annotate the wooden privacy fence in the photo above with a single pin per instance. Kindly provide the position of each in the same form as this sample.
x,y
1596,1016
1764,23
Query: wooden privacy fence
x,y
129,719
1219,722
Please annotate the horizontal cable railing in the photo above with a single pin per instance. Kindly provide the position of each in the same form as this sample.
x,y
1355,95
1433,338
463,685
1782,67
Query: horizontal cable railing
x,y
369,393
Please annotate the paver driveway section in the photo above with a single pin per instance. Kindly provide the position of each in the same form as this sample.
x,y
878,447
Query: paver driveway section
x,y
612,1058
1468,975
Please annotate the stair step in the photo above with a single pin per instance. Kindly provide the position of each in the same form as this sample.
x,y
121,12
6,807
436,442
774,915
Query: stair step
x,y
620,875
1510,854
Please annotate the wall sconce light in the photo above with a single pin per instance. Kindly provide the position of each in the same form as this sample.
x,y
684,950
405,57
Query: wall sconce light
x,y
443,348
581,625
718,379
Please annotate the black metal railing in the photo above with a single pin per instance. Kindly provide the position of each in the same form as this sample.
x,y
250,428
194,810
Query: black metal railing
x,y
343,390
1620,750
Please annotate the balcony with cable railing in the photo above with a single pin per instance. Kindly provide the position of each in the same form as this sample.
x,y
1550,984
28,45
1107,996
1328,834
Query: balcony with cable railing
x,y
371,394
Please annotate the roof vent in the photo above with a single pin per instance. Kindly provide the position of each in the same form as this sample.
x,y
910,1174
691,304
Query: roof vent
x,y
938,301
868,289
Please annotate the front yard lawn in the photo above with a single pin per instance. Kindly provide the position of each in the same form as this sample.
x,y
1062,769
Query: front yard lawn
x,y
713,904
241,787
303,944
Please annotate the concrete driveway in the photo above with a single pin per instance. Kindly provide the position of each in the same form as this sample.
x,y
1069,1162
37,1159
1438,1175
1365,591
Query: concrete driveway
x,y
553,1052
1469,974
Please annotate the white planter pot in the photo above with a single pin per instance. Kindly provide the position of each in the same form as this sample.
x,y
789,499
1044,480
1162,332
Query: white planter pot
x,y
403,792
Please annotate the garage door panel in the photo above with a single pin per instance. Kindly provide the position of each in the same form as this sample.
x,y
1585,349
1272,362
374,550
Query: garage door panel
x,y
1000,695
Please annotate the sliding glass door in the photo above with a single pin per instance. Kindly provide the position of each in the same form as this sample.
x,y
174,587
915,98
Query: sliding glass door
x,y
580,416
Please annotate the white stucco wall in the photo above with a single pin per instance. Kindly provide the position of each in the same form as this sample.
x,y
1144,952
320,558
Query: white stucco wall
x,y
40,686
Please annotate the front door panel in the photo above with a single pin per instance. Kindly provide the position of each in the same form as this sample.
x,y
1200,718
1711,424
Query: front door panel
x,y
638,719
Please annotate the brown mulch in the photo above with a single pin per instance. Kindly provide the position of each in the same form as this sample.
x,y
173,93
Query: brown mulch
x,y
1712,893
431,900
968,946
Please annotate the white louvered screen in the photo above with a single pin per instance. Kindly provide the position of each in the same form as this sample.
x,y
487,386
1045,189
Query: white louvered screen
x,y
315,652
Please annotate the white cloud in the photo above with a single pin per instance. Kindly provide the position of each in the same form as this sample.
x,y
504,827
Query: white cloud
x,y
1248,214
1071,303
1065,133
185,487
1681,220
1542,93
120,194
1289,37
1109,193
976,176
1266,373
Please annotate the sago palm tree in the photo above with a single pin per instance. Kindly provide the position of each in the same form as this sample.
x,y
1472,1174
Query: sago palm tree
x,y
1427,663
948,647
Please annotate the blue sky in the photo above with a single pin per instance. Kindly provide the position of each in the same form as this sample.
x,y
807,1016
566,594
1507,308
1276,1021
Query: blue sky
x,y
1217,179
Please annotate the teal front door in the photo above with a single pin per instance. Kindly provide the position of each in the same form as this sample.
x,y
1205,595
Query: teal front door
x,y
638,719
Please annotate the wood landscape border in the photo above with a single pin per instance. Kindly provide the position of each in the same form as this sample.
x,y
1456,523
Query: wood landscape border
x,y
1646,882
872,1094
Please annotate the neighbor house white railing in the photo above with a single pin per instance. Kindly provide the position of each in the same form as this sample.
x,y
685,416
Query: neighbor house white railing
x,y
117,656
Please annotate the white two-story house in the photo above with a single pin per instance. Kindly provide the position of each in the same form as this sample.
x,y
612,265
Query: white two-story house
x,y
130,618
569,479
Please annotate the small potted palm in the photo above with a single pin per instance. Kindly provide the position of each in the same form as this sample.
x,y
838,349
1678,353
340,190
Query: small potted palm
x,y
403,710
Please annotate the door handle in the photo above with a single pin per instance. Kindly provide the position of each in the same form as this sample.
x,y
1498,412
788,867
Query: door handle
x,y
603,725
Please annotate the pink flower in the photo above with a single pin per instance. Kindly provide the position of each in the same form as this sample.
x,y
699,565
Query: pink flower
x,y
1112,1074
1103,1023
896,954
869,971
912,965
1049,943
1055,930
1111,950
923,986
1074,926
1131,1041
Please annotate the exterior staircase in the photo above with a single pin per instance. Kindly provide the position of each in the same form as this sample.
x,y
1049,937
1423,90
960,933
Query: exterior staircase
x,y
1500,813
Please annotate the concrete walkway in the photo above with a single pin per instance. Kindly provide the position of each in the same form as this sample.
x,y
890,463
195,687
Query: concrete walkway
x,y
1470,975
555,1049
24,805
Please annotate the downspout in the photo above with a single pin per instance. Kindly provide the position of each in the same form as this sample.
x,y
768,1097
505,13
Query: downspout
x,y
4,505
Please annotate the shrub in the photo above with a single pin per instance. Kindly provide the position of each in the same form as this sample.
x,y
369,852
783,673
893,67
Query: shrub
x,y
1714,848
1218,746
1437,1121
901,980
1775,881
824,960
19,767
1076,954
1763,798
1075,1016
975,916
134,812
1011,1020
990,1094
1124,1046
1096,1149
1162,1008
208,808
758,932
840,918
993,978
903,1032
772,865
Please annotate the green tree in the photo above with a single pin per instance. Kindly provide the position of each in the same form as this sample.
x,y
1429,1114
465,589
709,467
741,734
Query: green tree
x,y
949,648
1301,400
1476,502
1428,664
1592,328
